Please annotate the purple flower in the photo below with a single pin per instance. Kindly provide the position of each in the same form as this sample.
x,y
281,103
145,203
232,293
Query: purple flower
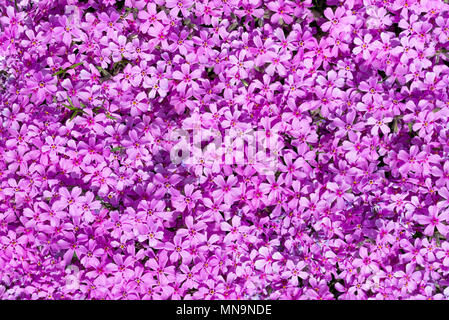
x,y
186,77
338,22
42,87
434,220
179,250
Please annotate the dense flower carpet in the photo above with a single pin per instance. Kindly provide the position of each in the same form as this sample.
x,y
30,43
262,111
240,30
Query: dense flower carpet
x,y
224,149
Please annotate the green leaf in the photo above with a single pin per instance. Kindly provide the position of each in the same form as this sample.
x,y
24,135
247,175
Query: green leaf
x,y
395,125
62,71
104,72
233,26
57,73
75,65
69,107
74,114
111,117
70,101
116,149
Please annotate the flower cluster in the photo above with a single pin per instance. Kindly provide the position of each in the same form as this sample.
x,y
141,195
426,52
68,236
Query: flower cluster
x,y
93,207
